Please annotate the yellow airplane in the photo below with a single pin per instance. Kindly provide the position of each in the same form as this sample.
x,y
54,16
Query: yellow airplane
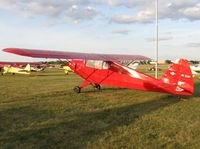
x,y
15,70
67,69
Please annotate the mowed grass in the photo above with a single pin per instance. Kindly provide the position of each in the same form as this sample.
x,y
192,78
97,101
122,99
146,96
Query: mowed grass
x,y
42,111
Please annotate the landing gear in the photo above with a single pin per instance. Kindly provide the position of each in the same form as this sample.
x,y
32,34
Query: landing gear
x,y
77,89
97,87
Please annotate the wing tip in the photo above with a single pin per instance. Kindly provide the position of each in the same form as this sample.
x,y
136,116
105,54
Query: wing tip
x,y
16,51
9,50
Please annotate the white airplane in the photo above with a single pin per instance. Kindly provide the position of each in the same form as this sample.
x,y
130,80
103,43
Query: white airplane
x,y
195,69
37,69
134,65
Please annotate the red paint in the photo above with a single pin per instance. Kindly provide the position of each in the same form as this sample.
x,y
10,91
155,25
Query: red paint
x,y
72,55
3,63
180,83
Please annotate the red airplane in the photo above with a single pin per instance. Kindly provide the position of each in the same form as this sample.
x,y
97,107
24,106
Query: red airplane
x,y
18,64
105,69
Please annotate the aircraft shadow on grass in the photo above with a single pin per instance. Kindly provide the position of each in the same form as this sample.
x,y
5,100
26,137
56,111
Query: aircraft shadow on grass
x,y
72,131
196,91
49,75
104,89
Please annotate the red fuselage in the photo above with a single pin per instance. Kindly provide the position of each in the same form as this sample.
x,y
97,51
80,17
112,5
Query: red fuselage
x,y
124,77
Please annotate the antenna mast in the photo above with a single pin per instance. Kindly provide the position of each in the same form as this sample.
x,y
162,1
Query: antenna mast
x,y
156,42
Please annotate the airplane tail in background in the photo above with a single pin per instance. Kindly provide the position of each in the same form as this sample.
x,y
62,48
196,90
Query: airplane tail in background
x,y
180,76
28,68
6,69
134,65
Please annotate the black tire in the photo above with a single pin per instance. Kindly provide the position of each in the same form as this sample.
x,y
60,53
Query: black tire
x,y
97,87
77,89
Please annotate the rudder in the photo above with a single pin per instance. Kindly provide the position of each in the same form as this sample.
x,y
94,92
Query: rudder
x,y
179,75
28,68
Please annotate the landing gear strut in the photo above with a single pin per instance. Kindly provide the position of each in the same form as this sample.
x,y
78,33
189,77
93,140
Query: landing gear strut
x,y
97,87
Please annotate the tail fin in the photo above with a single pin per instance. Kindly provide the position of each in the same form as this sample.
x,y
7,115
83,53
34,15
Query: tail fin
x,y
179,75
28,68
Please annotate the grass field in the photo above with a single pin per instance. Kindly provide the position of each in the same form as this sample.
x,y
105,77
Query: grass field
x,y
42,111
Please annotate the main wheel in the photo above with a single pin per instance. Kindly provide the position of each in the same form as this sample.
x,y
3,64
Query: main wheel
x,y
77,89
97,87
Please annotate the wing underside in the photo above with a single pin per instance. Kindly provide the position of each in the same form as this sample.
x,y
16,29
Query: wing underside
x,y
72,55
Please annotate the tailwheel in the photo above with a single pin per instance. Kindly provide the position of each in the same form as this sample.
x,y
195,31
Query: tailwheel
x,y
97,87
77,89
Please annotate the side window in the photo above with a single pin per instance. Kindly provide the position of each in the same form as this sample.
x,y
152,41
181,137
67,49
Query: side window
x,y
97,64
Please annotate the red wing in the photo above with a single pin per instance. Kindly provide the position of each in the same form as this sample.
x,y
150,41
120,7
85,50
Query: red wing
x,y
73,55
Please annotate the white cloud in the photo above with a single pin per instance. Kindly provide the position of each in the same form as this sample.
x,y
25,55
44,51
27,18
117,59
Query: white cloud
x,y
168,9
121,31
35,8
77,14
144,10
193,45
74,10
112,2
134,3
141,17
193,12
160,39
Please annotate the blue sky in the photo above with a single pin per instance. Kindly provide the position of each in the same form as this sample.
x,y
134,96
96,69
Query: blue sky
x,y
101,26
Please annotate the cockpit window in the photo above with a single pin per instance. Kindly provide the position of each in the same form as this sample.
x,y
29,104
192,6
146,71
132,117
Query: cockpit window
x,y
97,64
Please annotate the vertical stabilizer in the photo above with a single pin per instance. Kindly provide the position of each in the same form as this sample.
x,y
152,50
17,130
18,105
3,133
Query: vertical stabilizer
x,y
179,75
28,68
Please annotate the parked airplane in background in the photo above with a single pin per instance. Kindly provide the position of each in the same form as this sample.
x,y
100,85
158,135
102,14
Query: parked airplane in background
x,y
105,69
195,69
67,69
19,64
37,69
1,68
20,67
16,70
133,65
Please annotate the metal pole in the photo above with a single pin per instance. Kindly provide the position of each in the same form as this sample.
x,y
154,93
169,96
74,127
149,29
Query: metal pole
x,y
156,42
